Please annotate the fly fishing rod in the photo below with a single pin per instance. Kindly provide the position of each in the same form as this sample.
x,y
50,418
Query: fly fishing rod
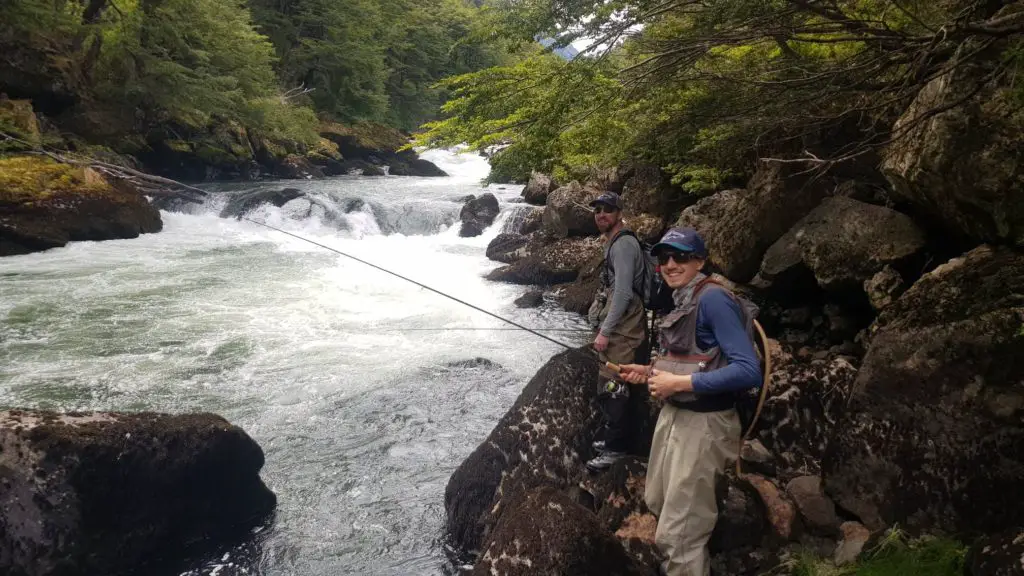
x,y
421,285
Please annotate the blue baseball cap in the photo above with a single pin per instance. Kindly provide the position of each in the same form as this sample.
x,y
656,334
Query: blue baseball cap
x,y
683,240
608,198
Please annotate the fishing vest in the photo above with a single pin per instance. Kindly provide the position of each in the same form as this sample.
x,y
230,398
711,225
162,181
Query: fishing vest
x,y
679,352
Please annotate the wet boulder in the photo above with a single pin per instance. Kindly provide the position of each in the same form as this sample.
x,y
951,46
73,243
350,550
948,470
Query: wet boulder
x,y
1000,554
740,225
537,189
477,214
46,204
962,167
532,299
507,248
568,212
843,243
554,263
242,204
108,493
933,436
412,166
538,442
547,533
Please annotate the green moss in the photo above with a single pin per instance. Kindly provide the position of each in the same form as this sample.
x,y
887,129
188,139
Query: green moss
x,y
325,148
31,178
895,555
19,120
179,146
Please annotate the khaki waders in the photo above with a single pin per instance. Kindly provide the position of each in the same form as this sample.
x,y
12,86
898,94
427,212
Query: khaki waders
x,y
690,449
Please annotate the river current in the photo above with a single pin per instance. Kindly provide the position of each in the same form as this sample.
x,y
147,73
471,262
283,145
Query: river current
x,y
364,391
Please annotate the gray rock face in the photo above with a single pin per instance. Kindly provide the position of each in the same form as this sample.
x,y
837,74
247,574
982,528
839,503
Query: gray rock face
x,y
538,442
997,555
507,248
738,226
800,416
551,264
477,214
963,166
843,243
547,533
567,212
934,436
107,493
884,288
537,189
531,299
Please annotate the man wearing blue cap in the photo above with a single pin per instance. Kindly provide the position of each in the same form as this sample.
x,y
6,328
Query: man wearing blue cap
x,y
618,312
706,356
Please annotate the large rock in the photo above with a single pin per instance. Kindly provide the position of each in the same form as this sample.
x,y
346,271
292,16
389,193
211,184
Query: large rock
x,y
548,533
477,214
817,510
412,166
963,166
843,243
567,212
18,119
740,225
999,554
44,204
537,189
554,263
648,190
538,442
507,248
242,204
934,433
298,167
114,493
799,421
579,295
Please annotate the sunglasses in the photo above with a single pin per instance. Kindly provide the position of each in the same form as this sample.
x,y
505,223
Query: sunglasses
x,y
604,208
677,257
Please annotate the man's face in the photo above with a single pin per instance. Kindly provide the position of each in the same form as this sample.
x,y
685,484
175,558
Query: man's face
x,y
606,217
678,268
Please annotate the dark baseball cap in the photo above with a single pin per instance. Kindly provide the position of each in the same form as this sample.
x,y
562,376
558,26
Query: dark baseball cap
x,y
608,198
683,240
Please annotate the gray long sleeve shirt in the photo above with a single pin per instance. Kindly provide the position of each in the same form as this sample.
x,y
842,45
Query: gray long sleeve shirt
x,y
625,260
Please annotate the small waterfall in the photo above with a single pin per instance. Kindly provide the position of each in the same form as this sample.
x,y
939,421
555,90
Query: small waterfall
x,y
517,216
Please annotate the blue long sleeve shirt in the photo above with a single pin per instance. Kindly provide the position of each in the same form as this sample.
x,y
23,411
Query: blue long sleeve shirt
x,y
720,323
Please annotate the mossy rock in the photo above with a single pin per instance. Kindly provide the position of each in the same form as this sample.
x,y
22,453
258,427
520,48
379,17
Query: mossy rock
x,y
365,137
18,119
326,149
45,204
32,178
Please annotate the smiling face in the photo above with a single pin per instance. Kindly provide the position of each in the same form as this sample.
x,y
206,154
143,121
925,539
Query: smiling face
x,y
606,217
678,268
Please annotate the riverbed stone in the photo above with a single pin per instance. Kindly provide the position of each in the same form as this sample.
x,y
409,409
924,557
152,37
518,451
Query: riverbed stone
x,y
507,248
549,264
110,493
477,214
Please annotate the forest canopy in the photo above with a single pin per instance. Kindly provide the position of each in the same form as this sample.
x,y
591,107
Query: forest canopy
x,y
703,88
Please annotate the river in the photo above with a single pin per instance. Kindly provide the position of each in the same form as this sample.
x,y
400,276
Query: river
x,y
364,391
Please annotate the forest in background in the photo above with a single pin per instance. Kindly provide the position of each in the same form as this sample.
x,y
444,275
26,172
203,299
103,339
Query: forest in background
x,y
705,89
212,78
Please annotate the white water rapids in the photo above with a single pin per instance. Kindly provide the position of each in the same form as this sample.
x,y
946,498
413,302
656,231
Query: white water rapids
x,y
362,420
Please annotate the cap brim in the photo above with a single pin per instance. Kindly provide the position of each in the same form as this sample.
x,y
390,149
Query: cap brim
x,y
596,202
672,245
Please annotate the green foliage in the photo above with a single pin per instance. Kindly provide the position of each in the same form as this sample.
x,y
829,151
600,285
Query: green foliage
x,y
895,555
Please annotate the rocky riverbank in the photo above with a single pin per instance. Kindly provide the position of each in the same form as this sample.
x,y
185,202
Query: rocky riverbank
x,y
117,493
896,398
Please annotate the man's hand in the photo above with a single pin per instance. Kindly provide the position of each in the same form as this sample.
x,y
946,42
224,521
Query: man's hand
x,y
633,373
601,343
664,384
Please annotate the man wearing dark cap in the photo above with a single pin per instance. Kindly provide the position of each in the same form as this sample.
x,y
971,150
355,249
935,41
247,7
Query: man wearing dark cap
x,y
706,356
618,313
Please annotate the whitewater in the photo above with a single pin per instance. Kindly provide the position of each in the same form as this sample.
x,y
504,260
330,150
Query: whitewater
x,y
364,391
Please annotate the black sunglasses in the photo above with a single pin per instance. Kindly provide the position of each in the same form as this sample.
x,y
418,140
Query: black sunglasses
x,y
604,208
677,257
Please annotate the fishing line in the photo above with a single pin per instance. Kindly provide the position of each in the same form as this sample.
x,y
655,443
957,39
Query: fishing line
x,y
421,285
